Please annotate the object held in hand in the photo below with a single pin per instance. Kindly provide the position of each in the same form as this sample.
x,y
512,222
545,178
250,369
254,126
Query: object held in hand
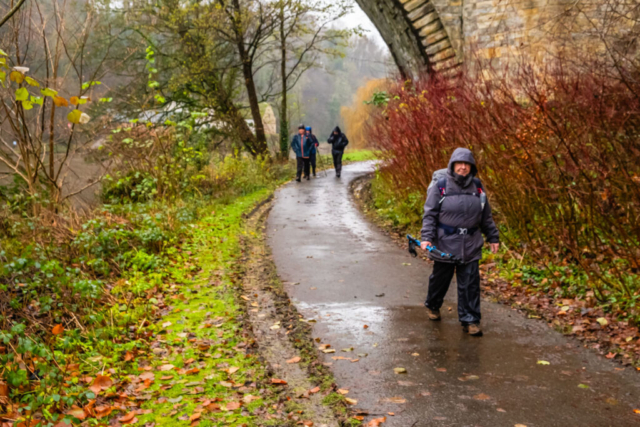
x,y
415,243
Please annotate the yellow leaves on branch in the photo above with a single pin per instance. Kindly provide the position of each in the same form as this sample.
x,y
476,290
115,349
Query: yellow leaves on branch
x,y
78,117
31,82
78,100
16,76
22,95
60,101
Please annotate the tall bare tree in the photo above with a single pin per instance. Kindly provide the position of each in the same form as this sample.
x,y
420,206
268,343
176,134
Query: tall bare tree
x,y
249,25
304,36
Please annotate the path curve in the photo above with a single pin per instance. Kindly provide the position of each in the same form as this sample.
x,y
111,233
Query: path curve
x,y
336,267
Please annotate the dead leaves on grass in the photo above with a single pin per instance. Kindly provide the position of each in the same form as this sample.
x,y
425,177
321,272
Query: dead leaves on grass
x,y
101,382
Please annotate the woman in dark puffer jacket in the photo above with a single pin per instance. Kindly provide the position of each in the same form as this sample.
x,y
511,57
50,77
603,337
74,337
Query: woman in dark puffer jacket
x,y
456,214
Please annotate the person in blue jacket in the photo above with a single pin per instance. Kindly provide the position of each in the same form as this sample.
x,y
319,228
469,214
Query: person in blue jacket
x,y
314,151
302,145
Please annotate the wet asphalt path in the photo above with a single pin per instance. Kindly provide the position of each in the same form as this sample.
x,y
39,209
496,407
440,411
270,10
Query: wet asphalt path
x,y
335,264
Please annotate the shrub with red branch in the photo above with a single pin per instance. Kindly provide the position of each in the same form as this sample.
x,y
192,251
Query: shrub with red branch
x,y
558,150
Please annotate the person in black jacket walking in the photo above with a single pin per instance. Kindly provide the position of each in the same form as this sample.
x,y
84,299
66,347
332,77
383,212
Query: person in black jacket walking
x,y
456,214
339,142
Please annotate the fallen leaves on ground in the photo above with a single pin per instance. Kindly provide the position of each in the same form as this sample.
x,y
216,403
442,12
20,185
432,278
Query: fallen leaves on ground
x,y
343,391
543,362
395,399
294,360
166,367
129,418
376,422
232,406
351,401
57,330
481,396
400,370
101,382
278,381
77,412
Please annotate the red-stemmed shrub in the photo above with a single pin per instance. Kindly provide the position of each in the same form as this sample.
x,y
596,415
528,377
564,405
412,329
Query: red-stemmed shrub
x,y
558,150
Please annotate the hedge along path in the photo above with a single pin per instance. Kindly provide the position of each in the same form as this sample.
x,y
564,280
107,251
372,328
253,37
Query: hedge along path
x,y
203,368
276,326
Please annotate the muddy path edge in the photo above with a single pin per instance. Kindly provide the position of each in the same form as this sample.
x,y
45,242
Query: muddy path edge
x,y
282,336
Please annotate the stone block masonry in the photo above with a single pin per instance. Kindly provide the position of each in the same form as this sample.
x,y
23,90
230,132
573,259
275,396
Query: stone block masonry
x,y
440,35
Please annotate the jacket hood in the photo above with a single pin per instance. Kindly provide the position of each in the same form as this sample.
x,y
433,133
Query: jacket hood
x,y
463,155
337,129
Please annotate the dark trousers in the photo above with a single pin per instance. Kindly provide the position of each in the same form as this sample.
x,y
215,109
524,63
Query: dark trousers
x,y
312,160
468,278
337,161
301,164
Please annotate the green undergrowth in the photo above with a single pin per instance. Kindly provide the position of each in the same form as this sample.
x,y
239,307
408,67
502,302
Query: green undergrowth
x,y
402,213
350,156
359,156
83,304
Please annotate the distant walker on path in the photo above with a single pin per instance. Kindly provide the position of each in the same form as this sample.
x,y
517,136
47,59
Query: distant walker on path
x,y
339,142
302,145
456,214
314,151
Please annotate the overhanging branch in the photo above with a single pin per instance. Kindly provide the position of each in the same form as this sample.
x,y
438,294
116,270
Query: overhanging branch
x,y
12,12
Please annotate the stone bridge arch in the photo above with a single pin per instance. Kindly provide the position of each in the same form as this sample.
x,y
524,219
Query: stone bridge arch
x,y
438,35
420,34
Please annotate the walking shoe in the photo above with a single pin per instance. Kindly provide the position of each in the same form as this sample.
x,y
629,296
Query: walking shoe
x,y
308,178
433,314
474,330
297,179
465,328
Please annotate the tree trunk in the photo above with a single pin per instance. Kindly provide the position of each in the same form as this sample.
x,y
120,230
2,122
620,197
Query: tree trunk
x,y
234,118
247,71
284,121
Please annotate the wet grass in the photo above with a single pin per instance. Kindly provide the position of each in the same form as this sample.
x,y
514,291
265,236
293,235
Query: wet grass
x,y
350,156
205,329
